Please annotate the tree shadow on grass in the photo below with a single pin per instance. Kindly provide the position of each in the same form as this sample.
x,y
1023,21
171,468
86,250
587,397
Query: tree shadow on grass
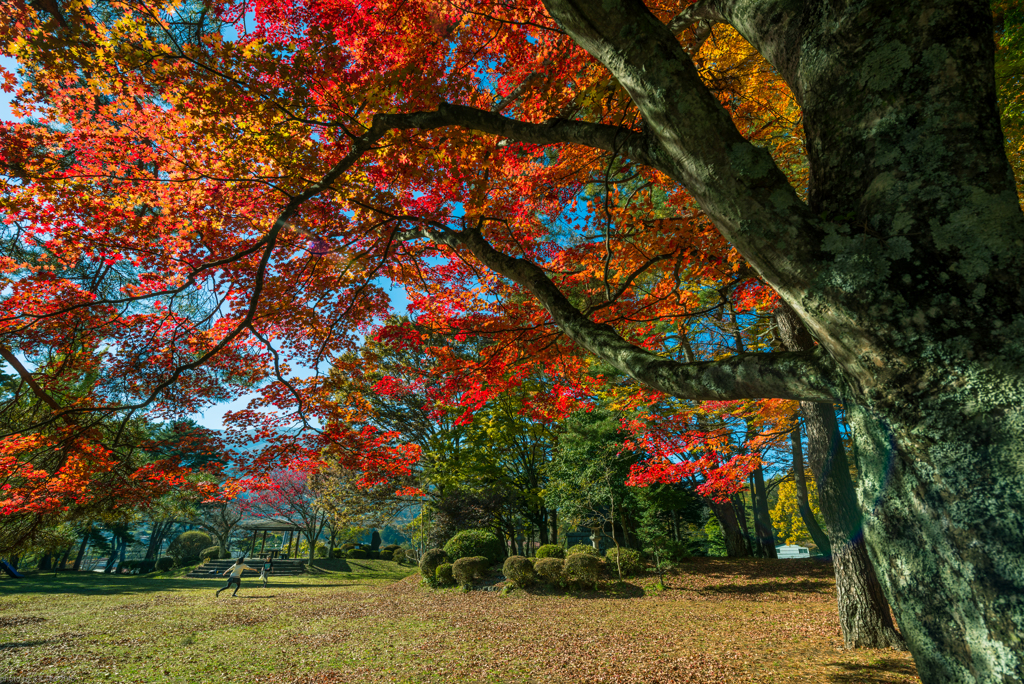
x,y
880,672
799,587
11,645
107,585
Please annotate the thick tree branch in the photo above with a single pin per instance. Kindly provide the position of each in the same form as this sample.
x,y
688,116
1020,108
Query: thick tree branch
x,y
736,183
743,376
628,143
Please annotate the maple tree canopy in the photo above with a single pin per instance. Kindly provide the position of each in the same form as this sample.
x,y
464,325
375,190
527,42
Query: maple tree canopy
x,y
203,198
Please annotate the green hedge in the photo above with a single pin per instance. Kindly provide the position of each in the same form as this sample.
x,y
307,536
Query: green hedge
x,y
519,571
357,553
211,552
551,551
581,570
470,543
628,559
428,564
187,547
581,548
470,568
444,575
550,570
164,564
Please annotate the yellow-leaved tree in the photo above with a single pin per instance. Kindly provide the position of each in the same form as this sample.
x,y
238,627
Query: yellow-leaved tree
x,y
786,514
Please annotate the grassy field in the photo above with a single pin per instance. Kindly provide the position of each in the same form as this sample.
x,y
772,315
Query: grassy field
x,y
718,621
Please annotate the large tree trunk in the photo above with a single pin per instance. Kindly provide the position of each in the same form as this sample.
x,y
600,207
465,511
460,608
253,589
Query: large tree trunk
x,y
735,539
64,559
113,554
762,518
863,611
553,520
803,503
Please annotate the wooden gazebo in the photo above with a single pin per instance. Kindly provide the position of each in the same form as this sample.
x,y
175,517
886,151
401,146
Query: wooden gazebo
x,y
265,525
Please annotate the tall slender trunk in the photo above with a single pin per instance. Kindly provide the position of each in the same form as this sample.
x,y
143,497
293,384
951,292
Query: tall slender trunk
x,y
618,551
741,518
802,502
735,540
762,518
113,553
553,522
64,558
81,548
863,609
46,562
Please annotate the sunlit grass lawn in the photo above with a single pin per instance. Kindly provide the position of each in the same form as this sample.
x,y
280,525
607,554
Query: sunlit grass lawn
x,y
719,621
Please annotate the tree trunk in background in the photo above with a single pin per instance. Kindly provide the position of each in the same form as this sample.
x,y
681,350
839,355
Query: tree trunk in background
x,y
553,523
863,609
113,553
741,519
46,563
762,518
81,548
810,522
735,540
64,559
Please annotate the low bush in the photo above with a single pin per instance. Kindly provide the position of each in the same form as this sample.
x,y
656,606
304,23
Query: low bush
x,y
469,543
357,554
581,570
519,571
386,554
338,552
390,547
211,552
164,564
398,555
444,575
470,568
551,571
628,560
187,547
320,551
551,551
348,547
581,548
428,564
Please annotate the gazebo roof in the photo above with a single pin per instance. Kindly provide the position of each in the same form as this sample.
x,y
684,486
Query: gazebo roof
x,y
269,524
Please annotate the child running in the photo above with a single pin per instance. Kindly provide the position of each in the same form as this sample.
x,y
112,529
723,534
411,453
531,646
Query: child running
x,y
236,571
266,570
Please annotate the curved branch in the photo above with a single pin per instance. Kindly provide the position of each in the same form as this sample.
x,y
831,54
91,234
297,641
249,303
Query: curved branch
x,y
785,375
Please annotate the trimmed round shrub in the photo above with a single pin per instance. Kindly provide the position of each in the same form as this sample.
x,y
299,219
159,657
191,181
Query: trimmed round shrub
x,y
581,570
469,543
431,559
470,568
320,551
348,547
386,554
187,547
338,553
212,552
390,547
357,554
164,564
628,559
551,551
550,570
444,575
398,555
581,548
519,571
